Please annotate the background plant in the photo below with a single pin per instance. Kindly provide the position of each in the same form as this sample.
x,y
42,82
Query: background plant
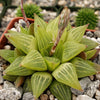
x,y
46,57
29,9
87,16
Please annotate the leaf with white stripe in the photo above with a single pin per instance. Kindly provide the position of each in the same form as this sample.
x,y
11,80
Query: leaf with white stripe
x,y
40,82
7,55
83,69
77,33
89,43
52,27
72,49
39,23
66,74
90,53
44,39
52,63
16,70
22,41
34,61
60,91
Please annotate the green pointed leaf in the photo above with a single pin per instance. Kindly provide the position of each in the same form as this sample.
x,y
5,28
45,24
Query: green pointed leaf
x,y
71,49
7,55
60,91
40,81
10,78
16,70
31,29
59,50
52,63
65,33
39,23
89,43
94,65
44,39
34,61
18,52
76,34
46,50
52,27
91,53
66,74
22,41
83,69
27,85
24,30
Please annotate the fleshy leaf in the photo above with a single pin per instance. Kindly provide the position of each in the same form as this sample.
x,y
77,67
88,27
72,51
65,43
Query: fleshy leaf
x,y
60,91
89,43
52,27
39,23
94,65
83,69
76,34
31,29
10,78
27,85
22,41
7,55
59,50
34,61
66,74
16,70
24,30
66,32
18,52
90,53
40,81
71,49
52,63
44,39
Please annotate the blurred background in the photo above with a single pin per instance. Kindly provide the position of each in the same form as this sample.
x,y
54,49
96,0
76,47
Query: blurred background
x,y
50,9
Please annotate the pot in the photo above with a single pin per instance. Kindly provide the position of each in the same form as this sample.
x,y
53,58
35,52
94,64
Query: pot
x,y
3,39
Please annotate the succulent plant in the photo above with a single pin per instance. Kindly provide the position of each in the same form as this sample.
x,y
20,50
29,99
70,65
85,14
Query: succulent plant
x,y
32,57
29,9
86,16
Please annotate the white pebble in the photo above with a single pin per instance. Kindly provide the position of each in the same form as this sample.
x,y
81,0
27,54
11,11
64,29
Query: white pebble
x,y
13,29
8,47
94,39
51,97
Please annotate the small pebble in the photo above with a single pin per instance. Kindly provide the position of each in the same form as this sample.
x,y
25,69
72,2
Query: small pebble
x,y
51,97
48,92
1,87
28,96
91,78
1,78
8,47
84,97
13,29
89,33
98,76
97,96
44,97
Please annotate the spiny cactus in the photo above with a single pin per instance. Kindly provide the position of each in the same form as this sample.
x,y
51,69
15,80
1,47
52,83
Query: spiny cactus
x,y
32,59
86,16
29,9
